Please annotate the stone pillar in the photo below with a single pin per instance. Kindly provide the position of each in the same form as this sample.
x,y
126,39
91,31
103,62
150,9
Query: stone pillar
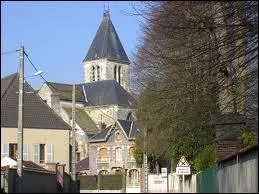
x,y
55,102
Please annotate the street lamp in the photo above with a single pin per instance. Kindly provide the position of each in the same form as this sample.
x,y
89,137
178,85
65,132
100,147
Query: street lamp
x,y
35,74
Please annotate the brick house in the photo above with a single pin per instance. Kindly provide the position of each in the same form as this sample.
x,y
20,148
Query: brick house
x,y
112,150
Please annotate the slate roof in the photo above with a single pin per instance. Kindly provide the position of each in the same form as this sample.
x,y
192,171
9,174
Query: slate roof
x,y
126,125
65,91
37,114
82,165
102,135
82,119
106,92
106,43
129,127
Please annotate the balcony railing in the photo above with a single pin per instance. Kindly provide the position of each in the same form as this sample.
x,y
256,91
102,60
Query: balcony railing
x,y
103,160
131,159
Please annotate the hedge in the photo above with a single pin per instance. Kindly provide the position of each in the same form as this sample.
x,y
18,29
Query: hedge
x,y
111,182
107,182
88,182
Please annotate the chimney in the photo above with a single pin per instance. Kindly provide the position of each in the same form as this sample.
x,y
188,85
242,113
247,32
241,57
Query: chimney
x,y
55,102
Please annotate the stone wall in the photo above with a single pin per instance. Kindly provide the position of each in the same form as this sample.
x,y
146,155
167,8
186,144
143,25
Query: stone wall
x,y
45,93
107,71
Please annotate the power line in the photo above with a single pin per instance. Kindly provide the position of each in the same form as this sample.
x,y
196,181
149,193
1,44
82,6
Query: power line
x,y
55,88
9,52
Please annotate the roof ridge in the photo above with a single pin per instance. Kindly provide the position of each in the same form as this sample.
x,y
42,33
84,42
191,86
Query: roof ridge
x,y
10,83
48,107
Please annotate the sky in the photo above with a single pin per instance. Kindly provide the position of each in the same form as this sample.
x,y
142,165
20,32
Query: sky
x,y
57,35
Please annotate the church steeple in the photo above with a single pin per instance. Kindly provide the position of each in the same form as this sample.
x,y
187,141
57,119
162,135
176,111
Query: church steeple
x,y
106,44
106,58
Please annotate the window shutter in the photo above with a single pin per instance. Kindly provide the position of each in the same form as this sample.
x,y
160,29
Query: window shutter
x,y
5,150
25,152
36,153
49,153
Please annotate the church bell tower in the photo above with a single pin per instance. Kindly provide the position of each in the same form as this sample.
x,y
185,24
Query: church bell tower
x,y
106,58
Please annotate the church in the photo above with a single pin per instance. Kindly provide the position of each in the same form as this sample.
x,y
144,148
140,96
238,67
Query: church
x,y
104,125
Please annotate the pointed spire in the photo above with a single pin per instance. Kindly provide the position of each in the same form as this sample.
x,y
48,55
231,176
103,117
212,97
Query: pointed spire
x,y
106,43
106,11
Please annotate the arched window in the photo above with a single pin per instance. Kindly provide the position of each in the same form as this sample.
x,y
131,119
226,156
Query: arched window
x,y
131,154
103,155
115,72
118,154
119,74
103,172
93,73
98,73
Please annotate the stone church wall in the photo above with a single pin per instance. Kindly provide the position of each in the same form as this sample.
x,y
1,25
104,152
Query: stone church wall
x,y
45,93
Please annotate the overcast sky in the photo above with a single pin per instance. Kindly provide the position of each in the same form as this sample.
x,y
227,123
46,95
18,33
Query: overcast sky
x,y
57,35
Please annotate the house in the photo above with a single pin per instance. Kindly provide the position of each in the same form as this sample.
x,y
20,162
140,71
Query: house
x,y
45,134
103,97
112,150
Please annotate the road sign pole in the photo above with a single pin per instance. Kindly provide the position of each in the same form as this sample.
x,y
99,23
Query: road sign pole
x,y
183,183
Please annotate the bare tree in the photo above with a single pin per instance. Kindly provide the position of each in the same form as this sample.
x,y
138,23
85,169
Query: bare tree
x,y
196,60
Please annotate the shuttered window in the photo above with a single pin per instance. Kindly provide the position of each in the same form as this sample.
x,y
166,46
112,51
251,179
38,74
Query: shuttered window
x,y
5,150
25,152
49,153
36,153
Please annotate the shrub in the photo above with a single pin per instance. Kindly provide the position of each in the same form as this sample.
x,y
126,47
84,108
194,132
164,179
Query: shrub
x,y
110,182
205,159
248,137
88,182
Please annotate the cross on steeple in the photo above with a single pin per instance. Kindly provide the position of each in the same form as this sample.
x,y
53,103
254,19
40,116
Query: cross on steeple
x,y
106,11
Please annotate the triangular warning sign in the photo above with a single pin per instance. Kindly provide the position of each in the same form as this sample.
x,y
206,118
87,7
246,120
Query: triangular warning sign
x,y
183,162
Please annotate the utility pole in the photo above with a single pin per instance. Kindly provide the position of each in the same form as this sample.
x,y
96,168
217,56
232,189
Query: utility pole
x,y
20,122
73,169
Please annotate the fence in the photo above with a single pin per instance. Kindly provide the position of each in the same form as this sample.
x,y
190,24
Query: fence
x,y
207,181
33,181
239,173
236,174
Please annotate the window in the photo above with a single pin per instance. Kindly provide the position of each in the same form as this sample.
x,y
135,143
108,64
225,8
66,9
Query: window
x,y
77,156
115,71
93,73
118,154
98,73
131,154
103,172
13,150
103,155
119,74
42,153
